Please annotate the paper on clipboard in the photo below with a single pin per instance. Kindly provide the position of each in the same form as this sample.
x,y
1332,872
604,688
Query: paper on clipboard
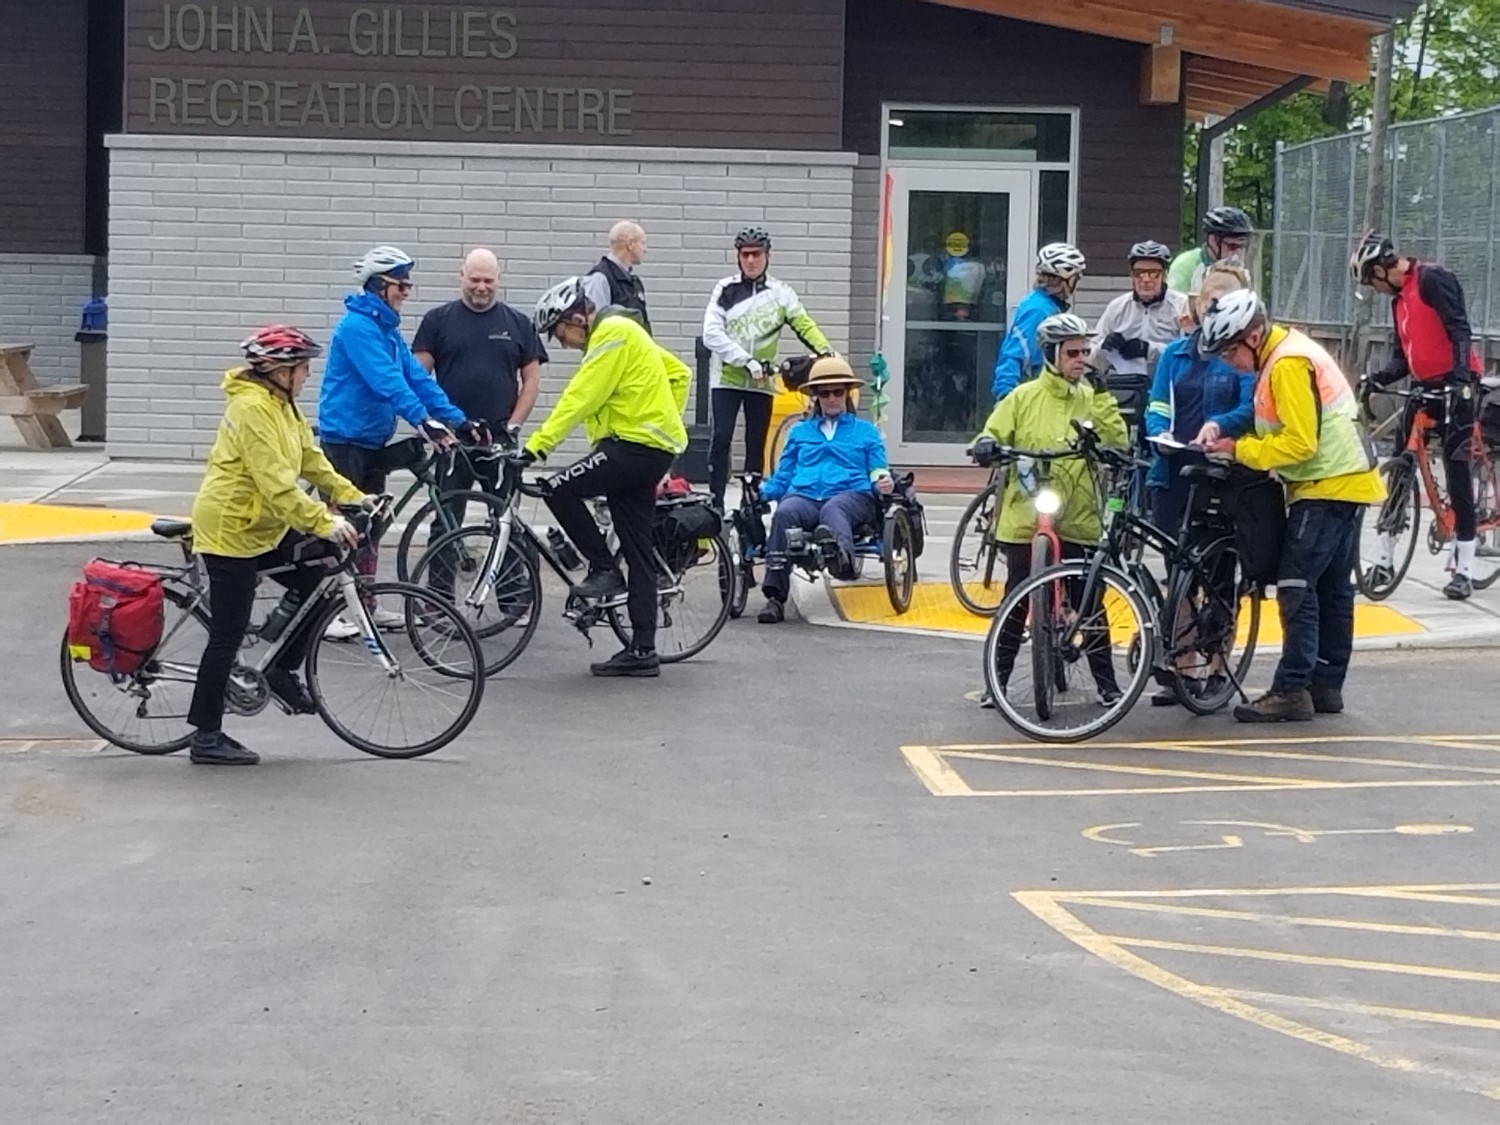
x,y
1167,442
1122,366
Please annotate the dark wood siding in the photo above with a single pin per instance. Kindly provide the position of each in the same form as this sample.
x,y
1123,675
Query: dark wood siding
x,y
43,131
1130,155
698,72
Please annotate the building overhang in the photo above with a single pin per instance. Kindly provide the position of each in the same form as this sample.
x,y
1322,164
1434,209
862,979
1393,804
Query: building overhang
x,y
1216,56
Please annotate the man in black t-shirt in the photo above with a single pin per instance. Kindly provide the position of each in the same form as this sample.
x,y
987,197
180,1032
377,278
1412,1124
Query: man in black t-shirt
x,y
486,356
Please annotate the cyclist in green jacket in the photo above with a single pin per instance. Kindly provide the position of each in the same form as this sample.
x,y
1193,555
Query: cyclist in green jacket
x,y
629,393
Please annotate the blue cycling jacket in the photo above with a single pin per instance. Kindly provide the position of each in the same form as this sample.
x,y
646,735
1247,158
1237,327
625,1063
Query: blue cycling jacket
x,y
1020,356
820,467
371,377
1228,398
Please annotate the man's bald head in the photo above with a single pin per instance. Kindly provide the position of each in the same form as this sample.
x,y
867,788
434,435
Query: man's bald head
x,y
480,279
627,242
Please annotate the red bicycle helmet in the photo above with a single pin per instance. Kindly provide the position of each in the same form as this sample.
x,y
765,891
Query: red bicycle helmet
x,y
279,345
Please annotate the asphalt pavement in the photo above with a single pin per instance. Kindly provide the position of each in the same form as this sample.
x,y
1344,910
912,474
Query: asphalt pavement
x,y
800,879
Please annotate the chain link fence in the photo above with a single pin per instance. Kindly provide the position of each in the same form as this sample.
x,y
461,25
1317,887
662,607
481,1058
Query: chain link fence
x,y
1444,206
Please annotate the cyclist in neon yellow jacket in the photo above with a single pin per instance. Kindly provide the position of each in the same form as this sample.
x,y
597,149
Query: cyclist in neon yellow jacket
x,y
629,394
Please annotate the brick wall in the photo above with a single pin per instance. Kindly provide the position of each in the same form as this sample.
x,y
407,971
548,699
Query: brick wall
x,y
211,236
41,299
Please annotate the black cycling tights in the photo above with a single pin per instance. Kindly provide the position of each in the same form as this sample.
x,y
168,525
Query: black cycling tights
x,y
626,475
1457,434
726,402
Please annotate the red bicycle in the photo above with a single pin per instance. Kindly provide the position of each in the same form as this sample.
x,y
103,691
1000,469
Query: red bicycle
x,y
1386,549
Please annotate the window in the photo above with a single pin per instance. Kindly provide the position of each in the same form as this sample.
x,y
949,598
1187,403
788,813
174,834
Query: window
x,y
1003,137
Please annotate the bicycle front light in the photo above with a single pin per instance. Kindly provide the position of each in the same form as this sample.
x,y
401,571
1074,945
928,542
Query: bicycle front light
x,y
1048,502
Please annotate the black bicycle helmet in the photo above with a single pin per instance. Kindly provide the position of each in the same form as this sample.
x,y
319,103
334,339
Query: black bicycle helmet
x,y
1227,220
753,236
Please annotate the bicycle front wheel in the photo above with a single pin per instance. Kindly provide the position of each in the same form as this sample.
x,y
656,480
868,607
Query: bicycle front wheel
x,y
500,598
1209,608
692,610
146,711
1387,547
1092,680
404,692
1047,626
976,565
480,510
744,572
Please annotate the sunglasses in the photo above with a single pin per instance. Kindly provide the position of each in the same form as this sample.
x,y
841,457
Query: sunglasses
x,y
1075,353
752,252
831,392
1148,275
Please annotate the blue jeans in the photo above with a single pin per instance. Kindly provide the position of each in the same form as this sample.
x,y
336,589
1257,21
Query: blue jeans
x,y
842,514
1315,593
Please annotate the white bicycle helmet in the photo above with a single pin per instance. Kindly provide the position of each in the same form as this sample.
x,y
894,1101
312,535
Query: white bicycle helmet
x,y
383,261
1150,251
1059,327
1374,250
1229,318
1060,259
557,303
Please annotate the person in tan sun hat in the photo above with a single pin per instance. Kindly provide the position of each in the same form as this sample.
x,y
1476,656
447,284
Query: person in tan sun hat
x,y
828,481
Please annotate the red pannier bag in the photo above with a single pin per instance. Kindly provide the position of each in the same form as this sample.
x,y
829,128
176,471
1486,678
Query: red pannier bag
x,y
116,616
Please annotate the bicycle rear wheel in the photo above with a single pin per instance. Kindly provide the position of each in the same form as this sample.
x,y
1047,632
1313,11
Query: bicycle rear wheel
x,y
744,572
501,599
1208,608
1089,642
428,695
692,611
1487,518
976,565
145,712
1386,548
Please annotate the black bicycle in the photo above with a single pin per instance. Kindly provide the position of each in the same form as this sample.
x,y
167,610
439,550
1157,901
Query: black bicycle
x,y
492,572
394,693
1198,637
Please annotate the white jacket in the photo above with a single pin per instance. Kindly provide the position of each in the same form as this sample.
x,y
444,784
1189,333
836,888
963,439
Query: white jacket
x,y
1157,324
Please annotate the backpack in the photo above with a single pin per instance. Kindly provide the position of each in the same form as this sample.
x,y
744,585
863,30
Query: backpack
x,y
116,616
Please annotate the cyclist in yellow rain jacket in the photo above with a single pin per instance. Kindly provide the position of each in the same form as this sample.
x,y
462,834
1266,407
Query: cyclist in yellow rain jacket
x,y
629,393
1307,429
251,515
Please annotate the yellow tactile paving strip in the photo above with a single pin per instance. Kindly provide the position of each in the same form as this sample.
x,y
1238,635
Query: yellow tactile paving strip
x,y
21,523
933,607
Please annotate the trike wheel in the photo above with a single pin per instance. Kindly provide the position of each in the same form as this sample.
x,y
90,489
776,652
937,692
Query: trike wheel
x,y
899,549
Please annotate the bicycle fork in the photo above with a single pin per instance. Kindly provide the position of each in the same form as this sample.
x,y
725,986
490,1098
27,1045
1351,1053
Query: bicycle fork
x,y
359,613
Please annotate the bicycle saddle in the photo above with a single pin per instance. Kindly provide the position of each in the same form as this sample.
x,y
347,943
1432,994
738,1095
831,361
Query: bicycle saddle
x,y
171,528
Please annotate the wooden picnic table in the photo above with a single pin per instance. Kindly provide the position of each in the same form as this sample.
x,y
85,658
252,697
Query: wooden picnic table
x,y
33,407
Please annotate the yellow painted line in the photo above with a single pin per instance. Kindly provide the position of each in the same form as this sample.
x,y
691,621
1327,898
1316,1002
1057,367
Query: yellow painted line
x,y
1380,890
1138,771
1399,968
941,779
1045,906
934,606
20,522
1233,752
1144,907
1163,790
1354,1008
1190,743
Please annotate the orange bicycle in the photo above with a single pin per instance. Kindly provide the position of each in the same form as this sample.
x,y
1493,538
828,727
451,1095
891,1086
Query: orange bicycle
x,y
1386,549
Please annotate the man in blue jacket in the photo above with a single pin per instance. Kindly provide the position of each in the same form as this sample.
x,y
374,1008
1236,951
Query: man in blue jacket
x,y
1059,267
828,480
370,378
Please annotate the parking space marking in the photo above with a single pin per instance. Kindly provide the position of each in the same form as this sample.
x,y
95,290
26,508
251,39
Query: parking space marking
x,y
937,767
16,746
1110,834
1061,911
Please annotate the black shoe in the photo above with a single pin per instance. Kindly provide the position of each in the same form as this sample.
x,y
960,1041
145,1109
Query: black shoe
x,y
773,614
1277,707
290,693
629,662
840,565
1460,588
1326,699
218,749
1109,696
599,584
1166,697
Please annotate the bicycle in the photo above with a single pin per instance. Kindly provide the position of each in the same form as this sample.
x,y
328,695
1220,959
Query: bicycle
x,y
434,653
1110,601
1380,566
502,594
976,565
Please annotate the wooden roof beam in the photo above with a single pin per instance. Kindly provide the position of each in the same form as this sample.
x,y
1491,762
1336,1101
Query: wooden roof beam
x,y
1252,32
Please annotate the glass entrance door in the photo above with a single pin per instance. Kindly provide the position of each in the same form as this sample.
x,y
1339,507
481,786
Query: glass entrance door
x,y
964,239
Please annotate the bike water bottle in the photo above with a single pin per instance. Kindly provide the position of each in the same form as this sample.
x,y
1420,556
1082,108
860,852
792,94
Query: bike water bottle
x,y
279,618
565,552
